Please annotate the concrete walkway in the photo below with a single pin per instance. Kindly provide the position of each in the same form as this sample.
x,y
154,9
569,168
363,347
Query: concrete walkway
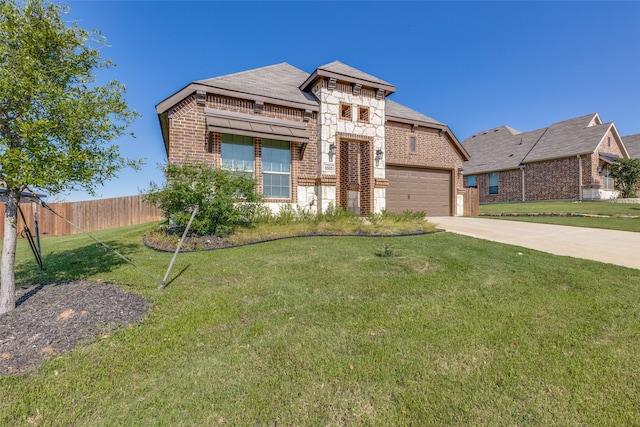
x,y
610,246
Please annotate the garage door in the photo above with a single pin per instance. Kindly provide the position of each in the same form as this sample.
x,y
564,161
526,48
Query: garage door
x,y
415,189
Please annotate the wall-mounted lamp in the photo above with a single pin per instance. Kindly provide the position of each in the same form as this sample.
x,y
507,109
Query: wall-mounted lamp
x,y
332,151
460,170
378,157
441,132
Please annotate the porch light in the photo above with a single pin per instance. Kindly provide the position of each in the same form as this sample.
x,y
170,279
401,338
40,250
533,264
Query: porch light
x,y
379,154
332,151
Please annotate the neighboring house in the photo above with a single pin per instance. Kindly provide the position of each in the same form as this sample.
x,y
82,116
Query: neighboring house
x,y
632,143
568,160
314,140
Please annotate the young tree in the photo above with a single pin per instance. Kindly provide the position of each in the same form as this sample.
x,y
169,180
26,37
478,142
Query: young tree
x,y
626,174
56,122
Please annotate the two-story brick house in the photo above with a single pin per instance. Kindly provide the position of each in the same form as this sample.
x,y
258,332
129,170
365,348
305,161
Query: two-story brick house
x,y
568,160
331,137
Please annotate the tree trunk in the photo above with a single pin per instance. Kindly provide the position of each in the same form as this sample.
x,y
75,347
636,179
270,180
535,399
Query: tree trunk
x,y
8,263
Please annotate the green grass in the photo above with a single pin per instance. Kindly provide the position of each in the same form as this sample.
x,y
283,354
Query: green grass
x,y
449,330
613,216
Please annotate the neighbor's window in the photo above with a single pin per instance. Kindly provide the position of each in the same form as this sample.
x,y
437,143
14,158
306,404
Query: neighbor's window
x,y
345,111
237,152
363,114
471,181
412,144
607,181
276,169
493,183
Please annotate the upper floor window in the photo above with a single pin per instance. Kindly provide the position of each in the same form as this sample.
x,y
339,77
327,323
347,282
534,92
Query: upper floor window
x,y
493,183
345,111
363,114
276,169
237,152
412,144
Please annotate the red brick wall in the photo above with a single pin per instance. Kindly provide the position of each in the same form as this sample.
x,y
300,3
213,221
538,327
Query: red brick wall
x,y
546,180
509,187
432,150
554,179
189,141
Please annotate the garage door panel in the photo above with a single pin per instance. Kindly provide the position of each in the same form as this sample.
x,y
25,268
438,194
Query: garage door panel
x,y
417,189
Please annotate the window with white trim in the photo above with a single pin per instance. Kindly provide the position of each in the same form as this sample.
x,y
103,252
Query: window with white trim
x,y
237,153
607,181
493,183
276,169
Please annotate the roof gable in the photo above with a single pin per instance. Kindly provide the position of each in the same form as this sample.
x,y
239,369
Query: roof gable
x,y
344,72
580,135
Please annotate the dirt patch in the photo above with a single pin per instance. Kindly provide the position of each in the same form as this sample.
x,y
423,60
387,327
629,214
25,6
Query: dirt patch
x,y
51,319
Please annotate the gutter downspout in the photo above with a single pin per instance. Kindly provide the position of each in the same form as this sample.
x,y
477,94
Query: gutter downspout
x,y
579,178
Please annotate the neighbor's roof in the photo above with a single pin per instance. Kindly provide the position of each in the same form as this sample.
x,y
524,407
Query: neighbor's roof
x,y
505,148
632,142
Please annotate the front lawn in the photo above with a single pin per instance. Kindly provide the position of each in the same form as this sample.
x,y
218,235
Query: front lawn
x,y
613,216
436,329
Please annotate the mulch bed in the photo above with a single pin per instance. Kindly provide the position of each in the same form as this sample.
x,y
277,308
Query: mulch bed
x,y
51,319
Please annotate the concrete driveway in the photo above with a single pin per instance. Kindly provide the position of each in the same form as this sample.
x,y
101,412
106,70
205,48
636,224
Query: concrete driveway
x,y
610,246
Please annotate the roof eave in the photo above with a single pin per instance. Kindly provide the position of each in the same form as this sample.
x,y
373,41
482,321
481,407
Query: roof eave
x,y
409,121
193,87
319,73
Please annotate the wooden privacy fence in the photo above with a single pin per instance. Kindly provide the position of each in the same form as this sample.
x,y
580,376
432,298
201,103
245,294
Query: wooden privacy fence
x,y
471,201
90,215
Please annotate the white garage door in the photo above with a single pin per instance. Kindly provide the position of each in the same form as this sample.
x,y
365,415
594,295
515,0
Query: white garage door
x,y
415,189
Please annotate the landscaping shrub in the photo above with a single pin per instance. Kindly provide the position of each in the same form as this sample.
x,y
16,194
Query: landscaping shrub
x,y
225,199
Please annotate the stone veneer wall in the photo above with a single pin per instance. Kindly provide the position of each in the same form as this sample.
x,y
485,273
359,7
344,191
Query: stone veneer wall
x,y
331,125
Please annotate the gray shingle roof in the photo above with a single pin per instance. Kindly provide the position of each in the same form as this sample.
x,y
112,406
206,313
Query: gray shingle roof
x,y
569,138
498,149
505,148
632,142
399,111
280,81
338,67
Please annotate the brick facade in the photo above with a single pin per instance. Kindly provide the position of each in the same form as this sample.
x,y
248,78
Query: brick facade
x,y
434,149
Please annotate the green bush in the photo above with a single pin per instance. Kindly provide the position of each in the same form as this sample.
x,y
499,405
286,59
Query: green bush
x,y
225,199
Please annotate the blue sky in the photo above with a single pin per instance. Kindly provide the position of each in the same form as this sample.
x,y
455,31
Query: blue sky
x,y
472,65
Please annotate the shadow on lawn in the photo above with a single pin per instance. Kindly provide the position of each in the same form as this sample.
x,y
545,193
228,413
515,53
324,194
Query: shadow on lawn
x,y
74,264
